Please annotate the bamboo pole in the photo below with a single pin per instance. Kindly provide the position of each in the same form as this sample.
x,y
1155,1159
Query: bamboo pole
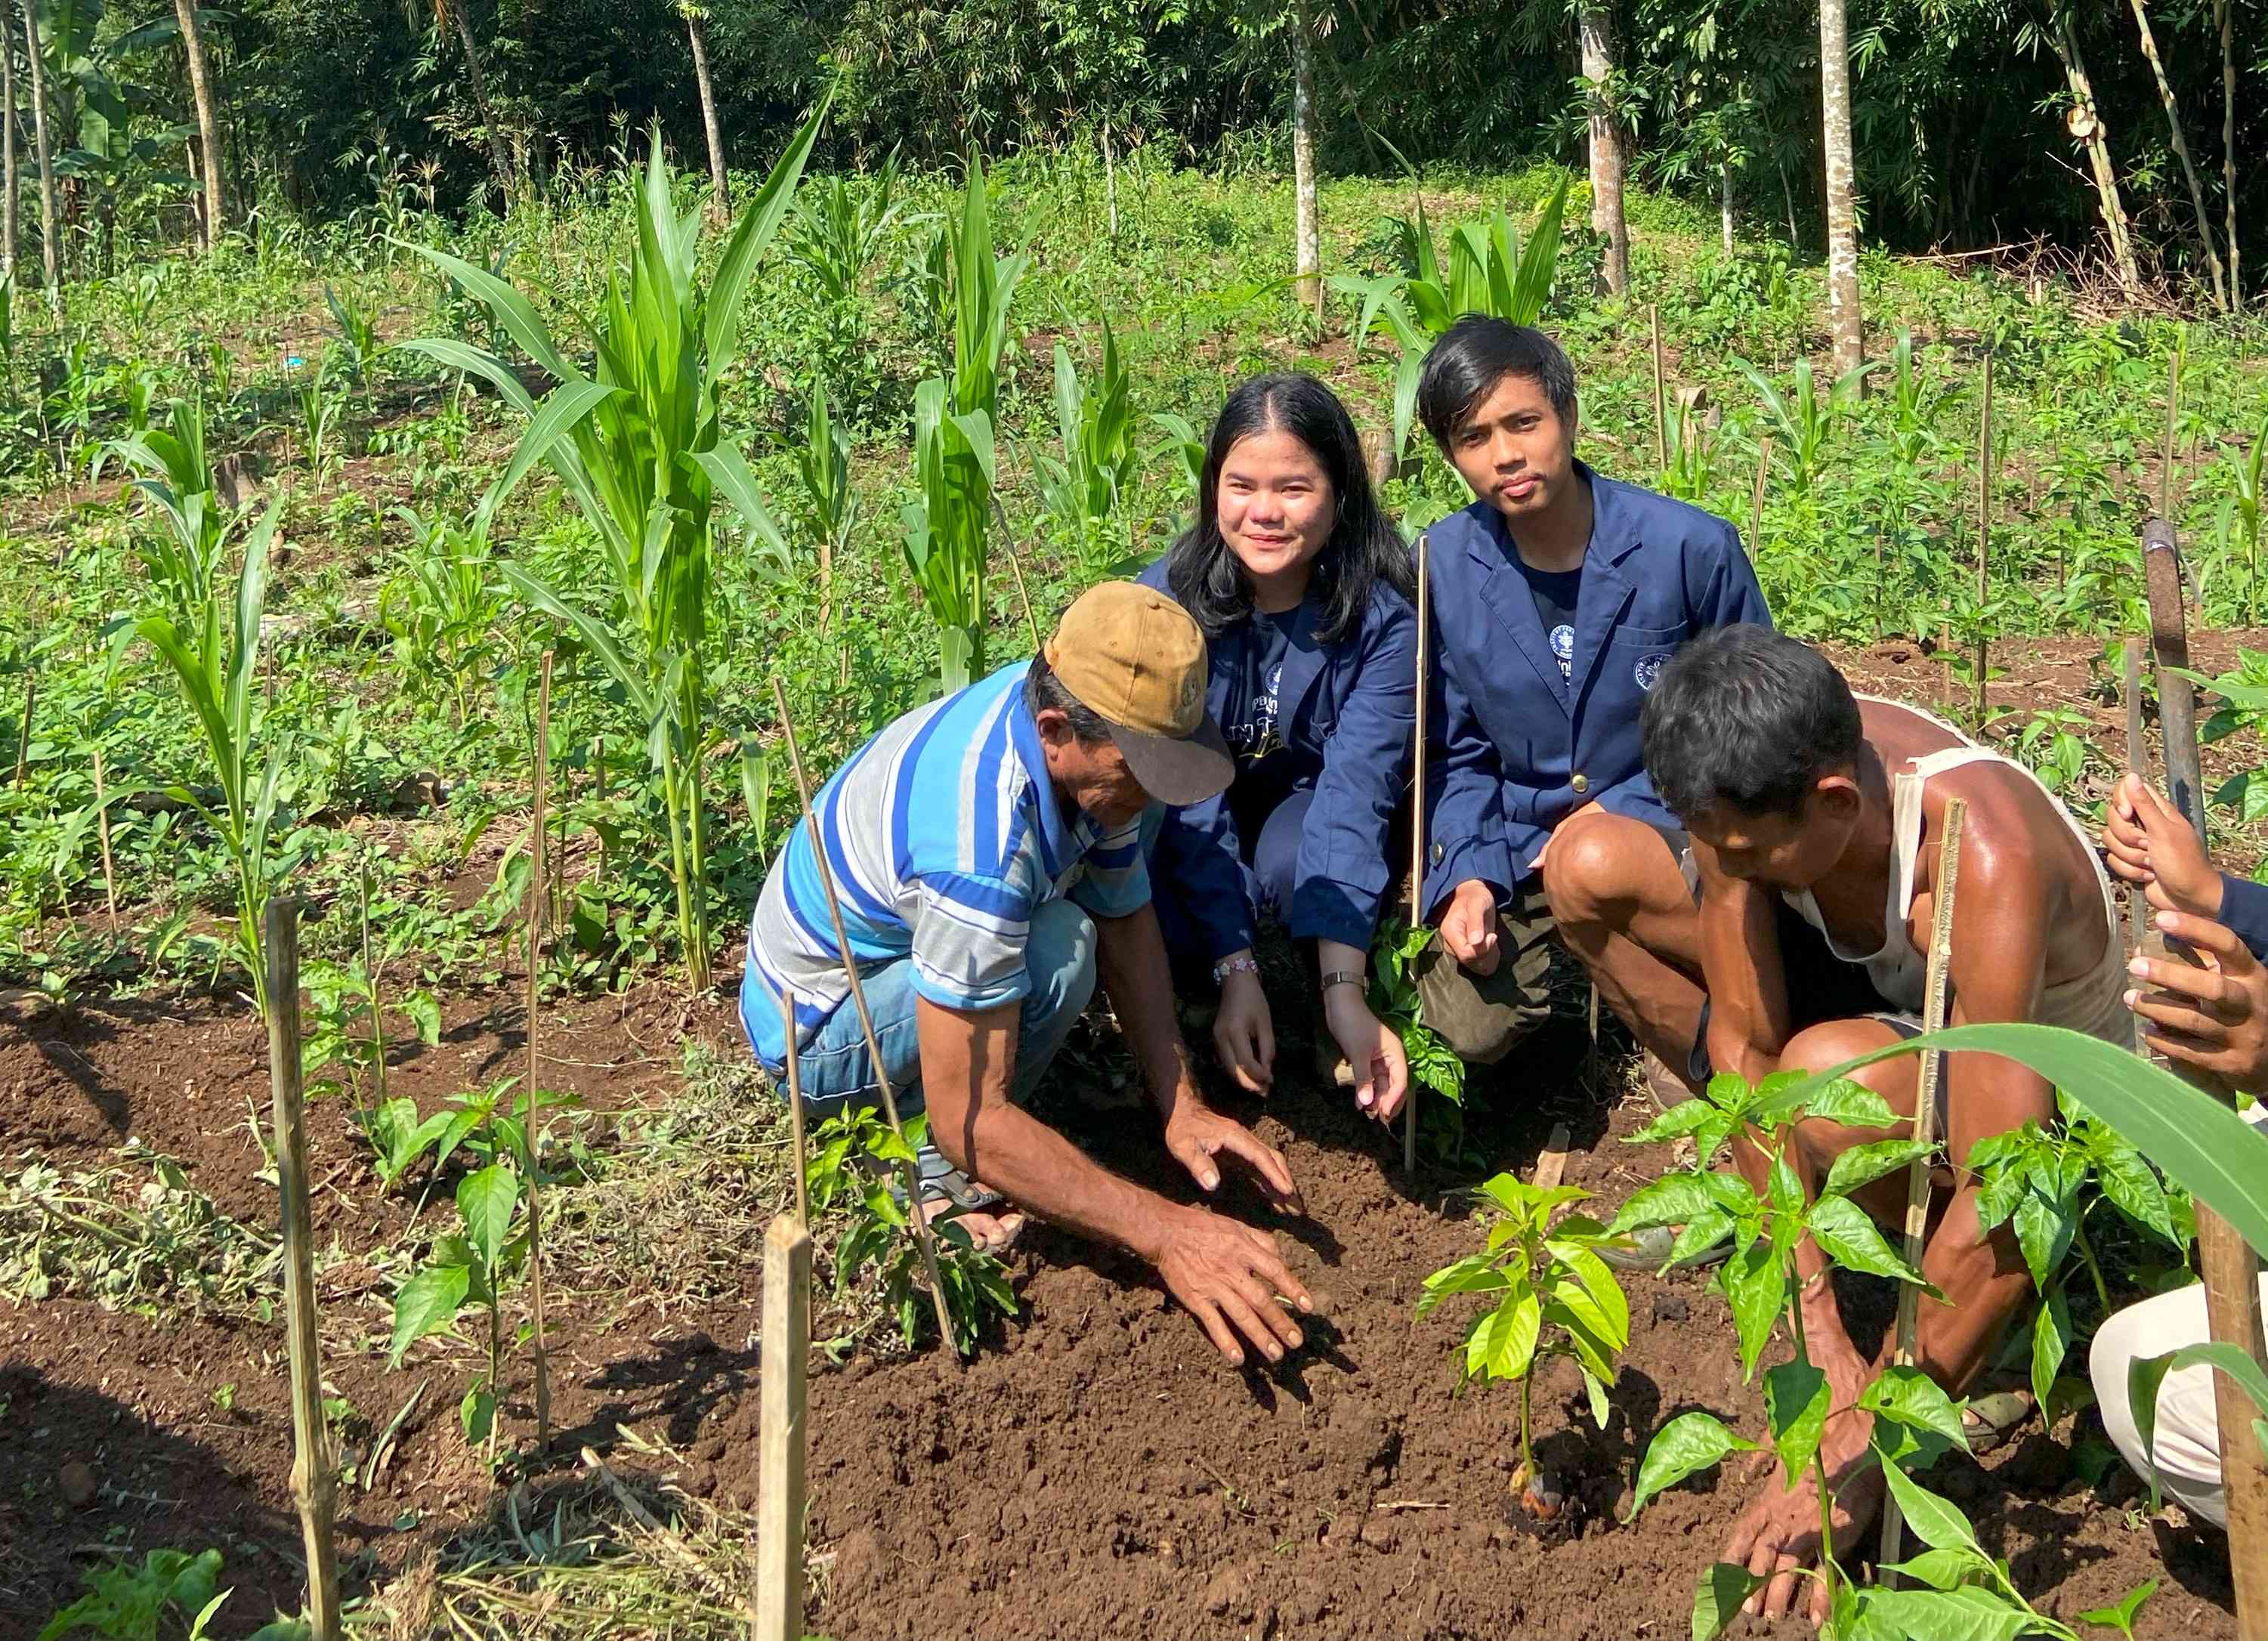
x,y
924,1235
24,735
1417,834
1757,500
1660,408
1932,1076
599,773
538,893
2230,1266
2137,760
2173,422
781,1388
102,831
1982,658
795,1107
314,1468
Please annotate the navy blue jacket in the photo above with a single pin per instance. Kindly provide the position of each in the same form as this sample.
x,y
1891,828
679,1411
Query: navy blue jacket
x,y
1344,712
1510,754
2244,909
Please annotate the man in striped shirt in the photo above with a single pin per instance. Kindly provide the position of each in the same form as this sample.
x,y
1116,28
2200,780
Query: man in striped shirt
x,y
986,853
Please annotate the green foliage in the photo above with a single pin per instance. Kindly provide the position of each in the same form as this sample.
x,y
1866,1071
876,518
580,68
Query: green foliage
x,y
441,604
128,1603
1395,999
469,1270
640,447
854,1170
1097,468
1554,1297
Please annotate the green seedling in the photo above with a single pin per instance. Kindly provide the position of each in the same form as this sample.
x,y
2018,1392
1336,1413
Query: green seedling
x,y
853,1163
1554,1296
1096,472
442,606
1395,998
169,1591
1803,421
468,1270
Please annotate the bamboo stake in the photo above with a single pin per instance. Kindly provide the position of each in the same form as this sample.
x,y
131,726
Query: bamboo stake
x,y
2230,1268
787,1344
102,831
1757,500
24,735
538,891
1982,657
314,1469
2173,422
2137,760
795,1107
1932,1074
924,1235
1661,409
1418,836
1016,566
599,770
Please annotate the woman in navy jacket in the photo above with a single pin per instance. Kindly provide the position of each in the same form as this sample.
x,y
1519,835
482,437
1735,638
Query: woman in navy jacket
x,y
1303,587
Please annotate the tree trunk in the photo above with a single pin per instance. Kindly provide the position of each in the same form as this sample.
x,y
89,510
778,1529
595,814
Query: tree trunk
x,y
193,45
51,215
2181,148
1724,202
2086,123
1595,27
1308,215
2222,9
476,83
698,38
10,229
1844,320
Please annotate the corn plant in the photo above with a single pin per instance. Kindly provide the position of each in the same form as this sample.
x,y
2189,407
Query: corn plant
x,y
640,448
1097,427
442,606
2245,474
1188,446
1802,421
1693,449
356,333
839,224
954,423
854,1161
215,666
1554,1296
830,505
1488,273
319,413
177,474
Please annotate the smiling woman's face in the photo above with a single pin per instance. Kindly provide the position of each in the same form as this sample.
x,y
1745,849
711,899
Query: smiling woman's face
x,y
1276,506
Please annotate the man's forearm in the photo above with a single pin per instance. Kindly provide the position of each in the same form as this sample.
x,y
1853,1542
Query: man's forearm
x,y
1042,1172
1129,961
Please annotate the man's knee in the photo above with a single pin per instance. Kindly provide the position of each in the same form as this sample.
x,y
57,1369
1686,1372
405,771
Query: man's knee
x,y
1593,865
1830,1043
1059,956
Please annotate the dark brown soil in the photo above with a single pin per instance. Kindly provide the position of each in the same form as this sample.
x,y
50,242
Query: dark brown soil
x,y
1096,1471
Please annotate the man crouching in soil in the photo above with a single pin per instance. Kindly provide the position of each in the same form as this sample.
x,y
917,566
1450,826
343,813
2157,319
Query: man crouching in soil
x,y
1799,797
987,852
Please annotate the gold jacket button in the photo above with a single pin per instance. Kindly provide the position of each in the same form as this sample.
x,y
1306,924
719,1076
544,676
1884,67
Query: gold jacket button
x,y
1581,782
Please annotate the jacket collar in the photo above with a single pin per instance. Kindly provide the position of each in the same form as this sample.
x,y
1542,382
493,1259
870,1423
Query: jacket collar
x,y
1605,592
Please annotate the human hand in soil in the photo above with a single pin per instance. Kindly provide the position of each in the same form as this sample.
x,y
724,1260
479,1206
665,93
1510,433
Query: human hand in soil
x,y
1227,1275
2214,1018
1374,1051
1469,926
2148,843
1778,1538
1244,1034
1197,1135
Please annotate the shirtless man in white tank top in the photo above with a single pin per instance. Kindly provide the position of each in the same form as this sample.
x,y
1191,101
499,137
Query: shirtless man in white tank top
x,y
1790,788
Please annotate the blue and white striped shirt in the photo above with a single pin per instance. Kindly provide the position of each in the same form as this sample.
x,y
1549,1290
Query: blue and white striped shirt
x,y
944,834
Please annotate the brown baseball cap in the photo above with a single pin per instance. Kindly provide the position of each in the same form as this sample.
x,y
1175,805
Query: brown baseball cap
x,y
1135,659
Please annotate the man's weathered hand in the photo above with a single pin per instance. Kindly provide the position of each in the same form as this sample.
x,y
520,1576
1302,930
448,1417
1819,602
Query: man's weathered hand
x,y
1778,1538
1227,1275
1197,1135
1373,1052
1244,1034
2147,844
2214,1018
1469,926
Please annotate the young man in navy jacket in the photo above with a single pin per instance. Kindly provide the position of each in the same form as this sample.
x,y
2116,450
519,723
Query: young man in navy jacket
x,y
1556,596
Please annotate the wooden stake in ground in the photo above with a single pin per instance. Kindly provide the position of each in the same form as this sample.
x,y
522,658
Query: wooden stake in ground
x,y
1757,500
795,1107
314,1468
2138,759
1418,834
539,901
1932,1074
102,831
2173,422
2231,1269
1981,657
1660,406
24,735
924,1236
780,1507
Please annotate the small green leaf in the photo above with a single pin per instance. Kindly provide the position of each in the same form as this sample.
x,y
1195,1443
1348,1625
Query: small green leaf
x,y
2121,1617
1937,1522
1716,1598
1798,1400
1674,1123
1688,1443
426,1303
1942,1569
1755,1285
2133,1187
486,1200
1863,1164
1847,1235
1966,1613
1596,1390
1503,1342
2051,1338
1671,1200
2044,1233
476,1414
1909,1397
424,1011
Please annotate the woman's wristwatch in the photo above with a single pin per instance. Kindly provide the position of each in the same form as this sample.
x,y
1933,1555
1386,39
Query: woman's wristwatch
x,y
1344,977
1237,963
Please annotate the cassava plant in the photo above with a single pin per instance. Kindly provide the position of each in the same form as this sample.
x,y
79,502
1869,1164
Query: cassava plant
x,y
956,421
1554,1296
640,447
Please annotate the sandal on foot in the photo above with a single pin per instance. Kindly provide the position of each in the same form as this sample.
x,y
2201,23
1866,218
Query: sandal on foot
x,y
961,1195
1990,1420
1650,1249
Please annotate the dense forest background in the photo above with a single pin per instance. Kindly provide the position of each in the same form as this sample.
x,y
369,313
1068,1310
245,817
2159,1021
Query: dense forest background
x,y
1962,110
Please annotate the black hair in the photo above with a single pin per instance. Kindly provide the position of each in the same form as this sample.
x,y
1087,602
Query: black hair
x,y
1365,548
1476,354
1044,691
1745,719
